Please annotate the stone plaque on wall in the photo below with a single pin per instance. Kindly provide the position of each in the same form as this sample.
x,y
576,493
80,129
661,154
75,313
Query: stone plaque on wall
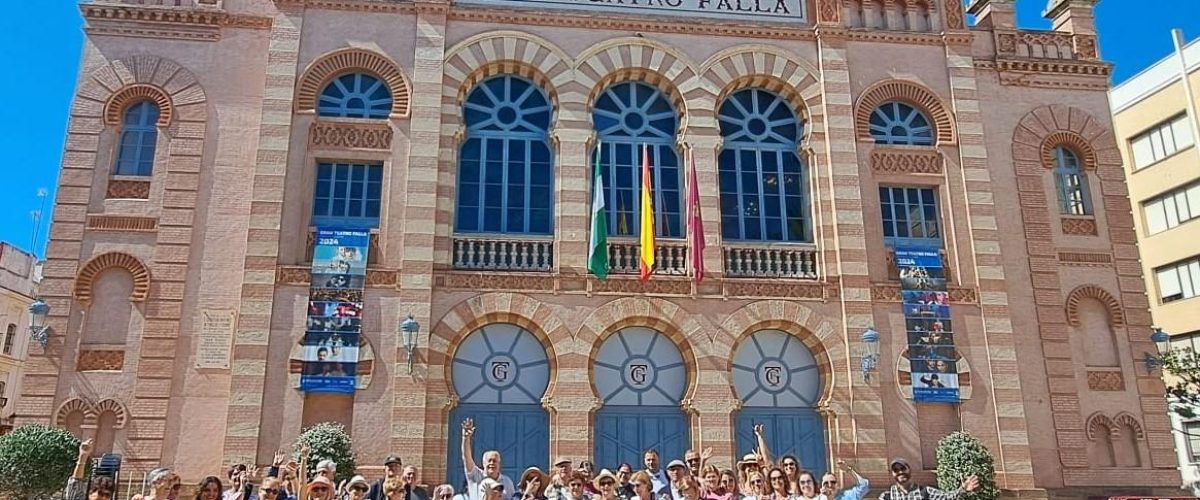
x,y
216,338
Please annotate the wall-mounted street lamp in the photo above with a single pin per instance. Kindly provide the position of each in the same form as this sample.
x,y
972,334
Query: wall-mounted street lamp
x,y
38,311
870,354
1162,344
409,333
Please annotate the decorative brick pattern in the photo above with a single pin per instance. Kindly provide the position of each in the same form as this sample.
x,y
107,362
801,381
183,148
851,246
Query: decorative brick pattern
x,y
325,134
91,412
114,109
343,61
122,223
128,189
1085,259
910,93
1105,380
1116,316
100,361
1078,226
97,264
906,161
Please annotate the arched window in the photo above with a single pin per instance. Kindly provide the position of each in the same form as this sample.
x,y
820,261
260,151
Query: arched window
x,y
355,95
1101,451
505,169
898,123
626,116
139,135
10,335
762,179
1073,197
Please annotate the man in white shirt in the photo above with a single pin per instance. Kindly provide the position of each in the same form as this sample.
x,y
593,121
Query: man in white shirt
x,y
658,479
491,465
676,471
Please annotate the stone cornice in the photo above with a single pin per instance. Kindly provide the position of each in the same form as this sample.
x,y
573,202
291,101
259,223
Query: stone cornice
x,y
656,24
165,22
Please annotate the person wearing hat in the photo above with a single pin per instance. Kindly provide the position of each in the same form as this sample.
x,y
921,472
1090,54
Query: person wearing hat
x,y
532,485
558,482
355,488
392,466
320,488
749,464
491,489
676,471
605,483
903,488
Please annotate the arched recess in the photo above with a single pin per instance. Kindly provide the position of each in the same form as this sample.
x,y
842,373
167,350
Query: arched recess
x,y
87,275
909,93
1101,434
1072,141
341,61
115,107
505,52
636,59
73,414
766,67
1116,316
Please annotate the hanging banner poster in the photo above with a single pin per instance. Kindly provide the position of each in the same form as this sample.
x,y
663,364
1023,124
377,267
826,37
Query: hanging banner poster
x,y
339,270
927,318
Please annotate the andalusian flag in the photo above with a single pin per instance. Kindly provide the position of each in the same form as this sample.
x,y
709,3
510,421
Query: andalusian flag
x,y
598,251
646,261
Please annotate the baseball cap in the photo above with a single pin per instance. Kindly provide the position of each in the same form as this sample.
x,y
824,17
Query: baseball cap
x,y
392,459
489,484
676,463
897,460
562,460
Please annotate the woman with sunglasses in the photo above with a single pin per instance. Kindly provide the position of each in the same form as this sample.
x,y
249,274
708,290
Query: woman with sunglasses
x,y
606,485
643,486
356,488
533,485
729,483
778,487
321,488
575,487
791,467
756,487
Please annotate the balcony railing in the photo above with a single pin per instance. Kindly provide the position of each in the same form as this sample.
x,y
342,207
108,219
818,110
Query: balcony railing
x,y
743,260
503,253
670,257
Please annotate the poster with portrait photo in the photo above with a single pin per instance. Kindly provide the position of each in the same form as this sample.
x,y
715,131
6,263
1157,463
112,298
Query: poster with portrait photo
x,y
335,309
926,308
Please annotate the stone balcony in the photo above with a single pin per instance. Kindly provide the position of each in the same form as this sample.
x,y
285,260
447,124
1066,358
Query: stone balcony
x,y
495,252
771,260
670,256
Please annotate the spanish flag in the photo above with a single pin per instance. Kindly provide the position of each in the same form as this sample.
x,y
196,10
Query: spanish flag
x,y
646,260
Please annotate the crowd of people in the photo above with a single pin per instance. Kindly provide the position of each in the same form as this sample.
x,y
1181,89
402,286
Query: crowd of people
x,y
757,476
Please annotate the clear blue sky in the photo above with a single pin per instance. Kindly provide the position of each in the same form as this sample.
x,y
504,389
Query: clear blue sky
x,y
40,43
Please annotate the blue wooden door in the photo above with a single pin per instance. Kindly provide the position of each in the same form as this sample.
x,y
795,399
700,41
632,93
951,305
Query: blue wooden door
x,y
623,434
500,374
521,433
795,431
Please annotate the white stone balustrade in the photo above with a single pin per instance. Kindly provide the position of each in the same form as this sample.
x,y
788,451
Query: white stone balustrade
x,y
503,253
744,260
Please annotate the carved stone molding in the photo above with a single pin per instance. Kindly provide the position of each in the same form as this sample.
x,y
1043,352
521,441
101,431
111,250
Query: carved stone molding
x,y
132,189
1105,380
1078,227
293,275
906,161
954,15
382,278
1085,259
533,282
775,288
350,135
100,360
829,12
122,223
888,292
196,23
632,285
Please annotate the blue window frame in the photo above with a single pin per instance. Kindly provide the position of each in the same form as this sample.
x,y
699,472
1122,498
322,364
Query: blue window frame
x,y
910,216
627,116
899,123
139,137
505,170
355,95
348,195
762,179
1071,183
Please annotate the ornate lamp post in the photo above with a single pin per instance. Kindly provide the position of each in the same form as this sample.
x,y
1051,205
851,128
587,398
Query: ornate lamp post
x,y
409,333
1162,344
870,354
38,311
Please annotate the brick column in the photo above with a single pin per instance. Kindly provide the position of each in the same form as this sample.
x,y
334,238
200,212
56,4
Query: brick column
x,y
250,344
836,170
712,426
419,410
996,332
705,143
572,199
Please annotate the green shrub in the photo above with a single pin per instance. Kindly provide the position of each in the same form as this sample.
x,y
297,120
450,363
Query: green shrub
x,y
960,455
36,461
328,441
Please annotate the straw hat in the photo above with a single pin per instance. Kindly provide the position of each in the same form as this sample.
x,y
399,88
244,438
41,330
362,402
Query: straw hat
x,y
534,473
604,473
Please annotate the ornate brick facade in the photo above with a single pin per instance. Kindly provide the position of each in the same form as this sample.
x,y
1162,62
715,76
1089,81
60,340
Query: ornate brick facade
x,y
224,224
